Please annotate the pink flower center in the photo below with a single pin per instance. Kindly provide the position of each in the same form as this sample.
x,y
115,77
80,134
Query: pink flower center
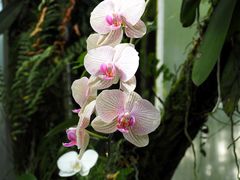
x,y
115,21
108,70
125,121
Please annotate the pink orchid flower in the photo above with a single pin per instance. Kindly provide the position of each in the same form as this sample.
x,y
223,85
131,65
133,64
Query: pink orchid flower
x,y
128,113
112,15
107,65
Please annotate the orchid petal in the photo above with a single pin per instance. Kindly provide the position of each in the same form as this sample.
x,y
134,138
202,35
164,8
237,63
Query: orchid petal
x,y
131,99
89,108
84,172
98,17
80,90
135,31
65,161
89,159
128,86
119,49
104,127
147,117
69,144
99,83
66,174
111,39
92,41
82,141
137,140
109,104
96,57
128,63
133,10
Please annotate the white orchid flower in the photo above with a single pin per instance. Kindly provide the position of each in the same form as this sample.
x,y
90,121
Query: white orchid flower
x,y
69,163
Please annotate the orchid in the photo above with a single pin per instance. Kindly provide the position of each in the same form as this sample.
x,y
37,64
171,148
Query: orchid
x,y
128,113
69,163
108,65
112,15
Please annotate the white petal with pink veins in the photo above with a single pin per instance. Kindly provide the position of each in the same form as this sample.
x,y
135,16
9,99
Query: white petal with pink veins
x,y
135,31
137,140
96,57
111,39
82,141
101,126
80,90
98,17
100,83
132,10
132,97
109,104
129,85
147,117
127,64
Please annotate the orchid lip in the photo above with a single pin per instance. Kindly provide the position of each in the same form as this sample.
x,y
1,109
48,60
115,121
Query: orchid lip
x,y
125,122
114,21
108,71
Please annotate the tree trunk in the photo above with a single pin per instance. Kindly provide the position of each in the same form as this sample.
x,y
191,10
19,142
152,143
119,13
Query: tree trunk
x,y
185,103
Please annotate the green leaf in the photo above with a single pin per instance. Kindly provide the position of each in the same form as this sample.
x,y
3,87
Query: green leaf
x,y
27,176
230,84
9,14
188,12
80,61
213,40
61,127
123,173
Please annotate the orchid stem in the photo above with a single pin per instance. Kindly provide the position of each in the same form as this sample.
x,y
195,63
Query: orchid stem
x,y
131,41
96,135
